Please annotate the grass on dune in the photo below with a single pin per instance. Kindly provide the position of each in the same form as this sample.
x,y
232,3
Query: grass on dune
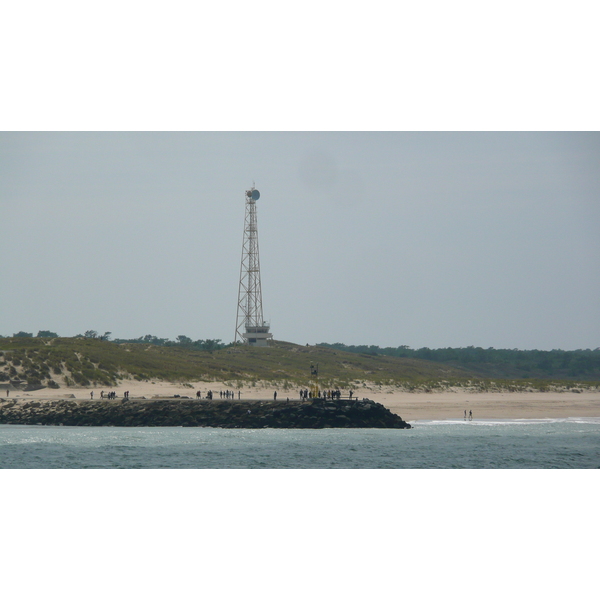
x,y
85,362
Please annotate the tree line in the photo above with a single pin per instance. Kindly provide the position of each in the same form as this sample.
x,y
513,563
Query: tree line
x,y
498,362
181,341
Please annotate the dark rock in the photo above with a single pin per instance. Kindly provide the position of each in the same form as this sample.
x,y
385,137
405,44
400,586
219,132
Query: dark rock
x,y
190,413
32,387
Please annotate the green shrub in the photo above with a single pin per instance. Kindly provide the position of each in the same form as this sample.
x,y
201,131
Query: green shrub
x,y
80,379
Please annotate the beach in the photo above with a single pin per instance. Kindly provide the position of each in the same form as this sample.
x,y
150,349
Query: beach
x,y
411,406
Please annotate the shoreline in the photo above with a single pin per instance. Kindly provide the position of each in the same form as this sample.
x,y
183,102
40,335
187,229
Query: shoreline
x,y
411,406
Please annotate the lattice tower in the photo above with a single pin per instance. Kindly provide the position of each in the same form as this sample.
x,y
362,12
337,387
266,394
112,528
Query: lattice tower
x,y
250,325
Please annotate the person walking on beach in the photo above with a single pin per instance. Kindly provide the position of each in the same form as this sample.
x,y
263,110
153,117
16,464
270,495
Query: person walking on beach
x,y
470,415
465,414
274,395
92,395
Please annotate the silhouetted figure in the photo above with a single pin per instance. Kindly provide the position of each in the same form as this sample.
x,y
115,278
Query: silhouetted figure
x,y
274,395
239,394
465,414
470,415
92,395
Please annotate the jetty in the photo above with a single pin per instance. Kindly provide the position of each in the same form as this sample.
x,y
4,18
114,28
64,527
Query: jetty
x,y
186,412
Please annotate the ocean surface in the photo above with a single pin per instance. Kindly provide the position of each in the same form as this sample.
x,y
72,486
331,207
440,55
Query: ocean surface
x,y
572,443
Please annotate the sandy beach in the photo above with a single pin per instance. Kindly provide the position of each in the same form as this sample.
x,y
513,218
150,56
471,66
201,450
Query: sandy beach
x,y
410,406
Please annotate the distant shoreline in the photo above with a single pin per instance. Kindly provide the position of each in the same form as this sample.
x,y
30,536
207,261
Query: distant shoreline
x,y
411,406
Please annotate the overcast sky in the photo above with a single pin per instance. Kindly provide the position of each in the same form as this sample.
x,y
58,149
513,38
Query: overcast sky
x,y
423,239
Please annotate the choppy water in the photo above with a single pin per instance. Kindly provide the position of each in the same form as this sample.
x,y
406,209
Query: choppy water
x,y
493,444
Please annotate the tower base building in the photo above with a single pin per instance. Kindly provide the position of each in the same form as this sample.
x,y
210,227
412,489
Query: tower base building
x,y
257,336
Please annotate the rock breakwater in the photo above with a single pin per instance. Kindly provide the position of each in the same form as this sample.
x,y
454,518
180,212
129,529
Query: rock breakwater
x,y
248,414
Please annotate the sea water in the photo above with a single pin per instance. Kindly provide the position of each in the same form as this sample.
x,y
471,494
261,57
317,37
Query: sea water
x,y
572,443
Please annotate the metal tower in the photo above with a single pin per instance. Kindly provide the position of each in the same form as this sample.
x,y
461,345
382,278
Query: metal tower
x,y
250,325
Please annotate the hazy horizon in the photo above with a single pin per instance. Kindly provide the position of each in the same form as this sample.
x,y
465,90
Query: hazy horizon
x,y
114,338
388,238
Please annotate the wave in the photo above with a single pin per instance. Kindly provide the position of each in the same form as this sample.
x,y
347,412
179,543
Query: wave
x,y
500,422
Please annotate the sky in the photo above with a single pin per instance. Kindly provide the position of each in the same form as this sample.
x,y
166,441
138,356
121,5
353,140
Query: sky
x,y
436,239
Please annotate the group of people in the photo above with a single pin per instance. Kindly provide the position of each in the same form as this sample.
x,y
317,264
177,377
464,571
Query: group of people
x,y
470,415
110,395
325,395
227,395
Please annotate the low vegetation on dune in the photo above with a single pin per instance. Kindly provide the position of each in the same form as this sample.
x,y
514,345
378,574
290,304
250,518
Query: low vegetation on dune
x,y
84,361
49,361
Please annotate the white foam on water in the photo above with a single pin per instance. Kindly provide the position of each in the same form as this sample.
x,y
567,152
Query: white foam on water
x,y
500,422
